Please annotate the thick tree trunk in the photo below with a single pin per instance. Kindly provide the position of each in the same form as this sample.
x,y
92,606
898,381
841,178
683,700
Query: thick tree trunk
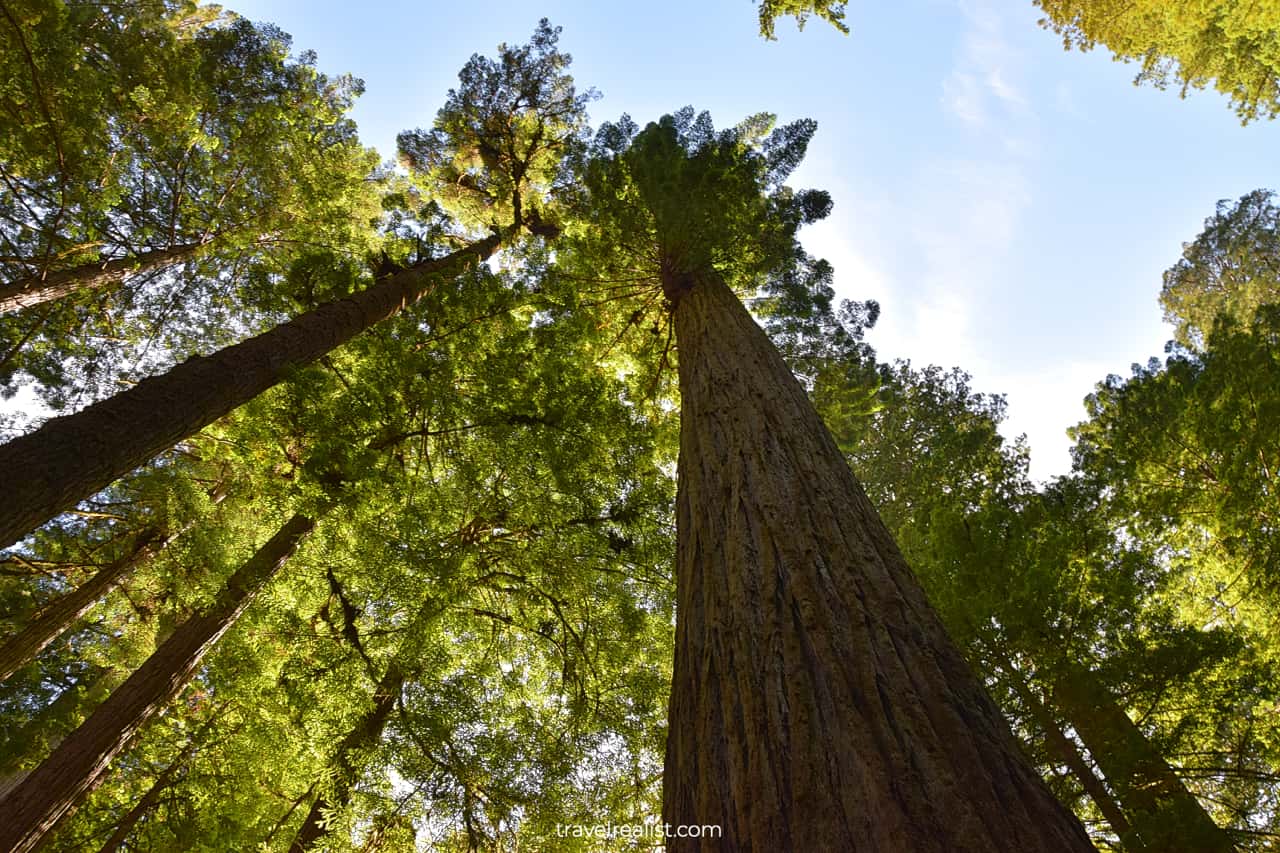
x,y
38,289
1165,817
59,615
363,737
70,458
79,763
817,702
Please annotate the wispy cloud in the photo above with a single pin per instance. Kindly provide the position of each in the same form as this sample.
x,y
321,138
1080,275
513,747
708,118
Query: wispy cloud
x,y
980,88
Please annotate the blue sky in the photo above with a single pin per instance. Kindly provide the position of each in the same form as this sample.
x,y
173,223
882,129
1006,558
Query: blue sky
x,y
1012,206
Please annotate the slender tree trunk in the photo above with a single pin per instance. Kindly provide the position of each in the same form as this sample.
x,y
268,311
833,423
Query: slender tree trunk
x,y
363,737
1164,815
70,458
161,784
59,615
79,764
817,703
1064,749
38,289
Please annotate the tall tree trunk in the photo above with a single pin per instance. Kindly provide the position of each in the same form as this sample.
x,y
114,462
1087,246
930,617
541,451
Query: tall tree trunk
x,y
363,737
79,763
1064,749
59,615
70,458
1164,815
38,289
817,703
124,828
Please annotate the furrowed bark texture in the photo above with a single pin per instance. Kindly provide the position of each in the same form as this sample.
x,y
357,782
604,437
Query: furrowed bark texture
x,y
37,290
1165,817
363,737
31,811
59,615
70,458
817,702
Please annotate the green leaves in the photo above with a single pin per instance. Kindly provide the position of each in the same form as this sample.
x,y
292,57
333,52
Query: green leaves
x,y
1228,272
494,155
1233,45
831,11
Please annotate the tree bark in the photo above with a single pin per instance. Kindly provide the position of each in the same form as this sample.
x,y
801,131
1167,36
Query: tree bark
x,y
70,458
363,737
80,762
817,703
59,615
1164,815
1064,749
39,289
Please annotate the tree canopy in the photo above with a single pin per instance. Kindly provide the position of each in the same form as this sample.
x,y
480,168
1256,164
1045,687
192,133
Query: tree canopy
x,y
356,527
1231,45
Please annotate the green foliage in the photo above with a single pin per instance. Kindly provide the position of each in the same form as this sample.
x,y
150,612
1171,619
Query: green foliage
x,y
1191,440
1231,269
494,155
146,127
831,11
661,206
1232,44
493,467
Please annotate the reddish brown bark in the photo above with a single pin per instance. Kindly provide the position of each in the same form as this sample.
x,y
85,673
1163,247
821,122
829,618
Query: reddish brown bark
x,y
70,458
817,702
1165,817
59,615
363,737
81,761
39,289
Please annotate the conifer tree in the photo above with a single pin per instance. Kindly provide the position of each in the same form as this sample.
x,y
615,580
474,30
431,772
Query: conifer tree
x,y
511,106
817,701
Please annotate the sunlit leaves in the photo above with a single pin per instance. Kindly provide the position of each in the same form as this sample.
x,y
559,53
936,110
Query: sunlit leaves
x,y
1230,270
1232,45
494,154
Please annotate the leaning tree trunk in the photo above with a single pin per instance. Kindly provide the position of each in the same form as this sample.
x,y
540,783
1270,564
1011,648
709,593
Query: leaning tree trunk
x,y
38,289
58,616
1164,815
817,703
1064,749
80,762
363,737
70,458
61,614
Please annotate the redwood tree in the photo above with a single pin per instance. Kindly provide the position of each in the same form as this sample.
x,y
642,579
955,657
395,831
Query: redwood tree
x,y
78,765
817,703
522,108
